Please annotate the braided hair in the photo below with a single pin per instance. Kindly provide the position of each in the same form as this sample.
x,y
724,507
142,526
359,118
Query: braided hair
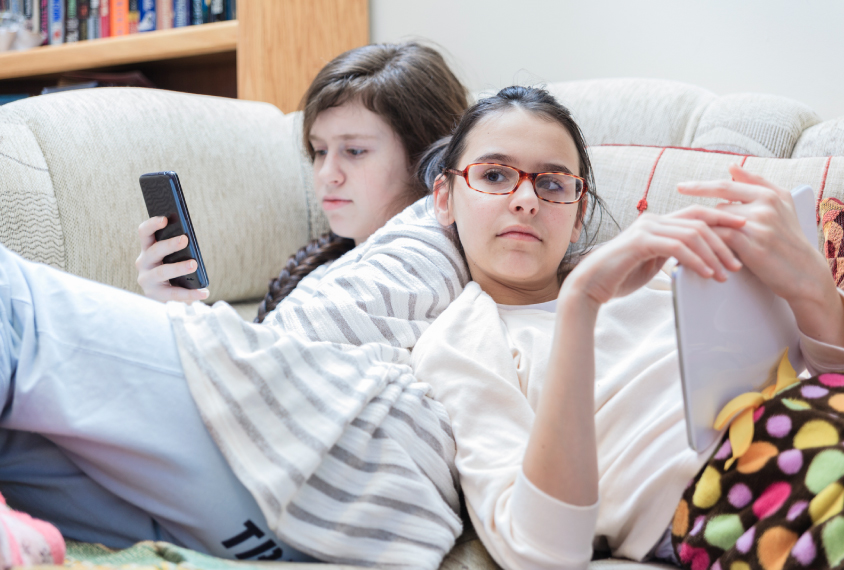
x,y
413,89
320,251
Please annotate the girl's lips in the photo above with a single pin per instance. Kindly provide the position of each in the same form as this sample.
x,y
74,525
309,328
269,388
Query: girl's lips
x,y
519,233
334,203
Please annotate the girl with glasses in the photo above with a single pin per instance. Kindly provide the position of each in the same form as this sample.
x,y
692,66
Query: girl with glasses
x,y
548,352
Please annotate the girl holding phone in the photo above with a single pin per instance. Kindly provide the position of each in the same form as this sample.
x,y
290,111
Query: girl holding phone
x,y
368,117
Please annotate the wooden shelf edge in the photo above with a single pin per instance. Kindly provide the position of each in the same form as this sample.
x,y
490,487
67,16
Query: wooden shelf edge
x,y
136,48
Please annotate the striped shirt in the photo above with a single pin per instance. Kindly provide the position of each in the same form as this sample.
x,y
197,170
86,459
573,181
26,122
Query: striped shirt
x,y
317,410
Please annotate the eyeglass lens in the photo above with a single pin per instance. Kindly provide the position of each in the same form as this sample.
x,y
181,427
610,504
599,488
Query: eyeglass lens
x,y
500,179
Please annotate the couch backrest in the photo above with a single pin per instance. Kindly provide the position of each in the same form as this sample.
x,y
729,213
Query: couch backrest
x,y
647,135
69,168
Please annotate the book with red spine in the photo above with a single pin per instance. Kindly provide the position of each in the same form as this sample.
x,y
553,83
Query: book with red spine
x,y
44,7
105,19
119,13
164,14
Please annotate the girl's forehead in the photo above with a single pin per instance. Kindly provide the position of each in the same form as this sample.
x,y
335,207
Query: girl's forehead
x,y
522,136
351,119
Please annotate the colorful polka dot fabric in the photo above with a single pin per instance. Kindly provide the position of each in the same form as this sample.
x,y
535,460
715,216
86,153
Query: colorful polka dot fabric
x,y
779,506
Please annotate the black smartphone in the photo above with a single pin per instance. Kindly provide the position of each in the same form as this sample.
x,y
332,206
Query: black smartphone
x,y
163,196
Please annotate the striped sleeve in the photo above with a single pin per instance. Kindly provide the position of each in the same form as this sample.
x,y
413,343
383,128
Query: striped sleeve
x,y
318,412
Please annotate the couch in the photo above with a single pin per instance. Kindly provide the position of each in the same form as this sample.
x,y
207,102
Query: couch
x,y
70,162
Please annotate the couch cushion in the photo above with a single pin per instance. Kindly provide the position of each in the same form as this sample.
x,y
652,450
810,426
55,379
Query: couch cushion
x,y
823,139
30,222
634,111
240,164
753,123
625,175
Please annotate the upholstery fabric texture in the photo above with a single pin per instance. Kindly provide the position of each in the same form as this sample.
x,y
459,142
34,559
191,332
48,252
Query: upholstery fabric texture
x,y
240,165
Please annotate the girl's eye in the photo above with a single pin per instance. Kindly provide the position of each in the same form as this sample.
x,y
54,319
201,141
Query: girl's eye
x,y
494,176
355,151
320,152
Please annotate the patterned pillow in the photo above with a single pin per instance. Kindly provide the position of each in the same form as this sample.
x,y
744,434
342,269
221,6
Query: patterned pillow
x,y
831,212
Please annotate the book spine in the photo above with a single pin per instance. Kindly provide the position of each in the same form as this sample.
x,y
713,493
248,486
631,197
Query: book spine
x,y
71,22
196,16
216,11
30,15
231,9
105,19
164,14
146,15
94,31
119,13
181,13
45,21
56,22
134,16
83,11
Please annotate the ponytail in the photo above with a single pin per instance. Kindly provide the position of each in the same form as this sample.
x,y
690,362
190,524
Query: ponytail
x,y
431,163
320,251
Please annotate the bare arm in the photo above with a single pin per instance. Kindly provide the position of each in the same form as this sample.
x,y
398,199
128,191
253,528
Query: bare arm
x,y
561,456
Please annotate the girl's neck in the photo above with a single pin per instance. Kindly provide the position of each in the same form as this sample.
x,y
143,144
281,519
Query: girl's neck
x,y
510,294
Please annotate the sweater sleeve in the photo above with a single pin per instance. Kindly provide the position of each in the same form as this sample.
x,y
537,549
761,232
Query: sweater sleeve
x,y
821,357
466,358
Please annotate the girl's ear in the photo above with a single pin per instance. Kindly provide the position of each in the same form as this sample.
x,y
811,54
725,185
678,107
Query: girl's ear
x,y
581,214
442,207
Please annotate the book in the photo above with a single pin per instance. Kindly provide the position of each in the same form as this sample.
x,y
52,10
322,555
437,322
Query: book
x,y
231,9
164,14
94,31
31,14
83,10
199,11
216,11
119,14
71,22
56,21
134,16
181,13
105,19
146,15
45,20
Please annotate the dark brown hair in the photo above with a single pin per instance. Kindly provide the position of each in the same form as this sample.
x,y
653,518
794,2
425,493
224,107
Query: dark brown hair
x,y
412,88
446,153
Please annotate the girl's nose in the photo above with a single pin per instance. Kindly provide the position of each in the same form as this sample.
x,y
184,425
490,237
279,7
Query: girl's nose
x,y
329,171
524,199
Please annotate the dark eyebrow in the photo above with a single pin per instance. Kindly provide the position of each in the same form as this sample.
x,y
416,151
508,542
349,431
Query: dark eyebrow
x,y
507,160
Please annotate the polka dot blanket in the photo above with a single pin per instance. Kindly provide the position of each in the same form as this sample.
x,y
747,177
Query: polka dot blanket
x,y
780,505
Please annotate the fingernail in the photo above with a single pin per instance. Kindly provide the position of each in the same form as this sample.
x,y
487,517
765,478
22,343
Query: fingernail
x,y
192,265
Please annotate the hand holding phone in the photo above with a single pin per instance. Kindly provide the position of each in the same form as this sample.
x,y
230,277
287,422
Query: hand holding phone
x,y
170,265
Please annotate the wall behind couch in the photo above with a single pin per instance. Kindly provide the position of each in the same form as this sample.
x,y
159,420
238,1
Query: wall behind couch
x,y
783,47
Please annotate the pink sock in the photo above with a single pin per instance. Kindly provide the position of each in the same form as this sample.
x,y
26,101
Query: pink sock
x,y
25,541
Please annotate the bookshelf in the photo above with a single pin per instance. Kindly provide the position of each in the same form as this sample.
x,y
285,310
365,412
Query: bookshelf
x,y
271,53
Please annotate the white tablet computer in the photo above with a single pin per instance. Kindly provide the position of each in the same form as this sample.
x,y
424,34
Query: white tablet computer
x,y
731,336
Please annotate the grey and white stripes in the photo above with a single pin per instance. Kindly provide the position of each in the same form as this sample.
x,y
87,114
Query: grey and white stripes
x,y
318,412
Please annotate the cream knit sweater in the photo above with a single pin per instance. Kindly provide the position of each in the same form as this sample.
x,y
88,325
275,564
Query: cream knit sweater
x,y
487,365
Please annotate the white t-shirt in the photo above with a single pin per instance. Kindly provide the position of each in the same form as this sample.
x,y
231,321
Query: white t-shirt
x,y
487,365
